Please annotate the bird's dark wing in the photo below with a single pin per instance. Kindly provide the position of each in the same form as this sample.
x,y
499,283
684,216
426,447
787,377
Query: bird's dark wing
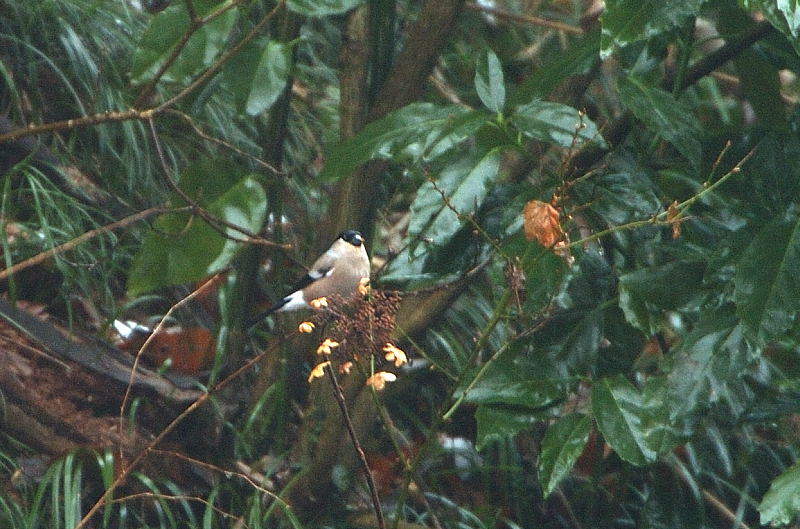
x,y
310,277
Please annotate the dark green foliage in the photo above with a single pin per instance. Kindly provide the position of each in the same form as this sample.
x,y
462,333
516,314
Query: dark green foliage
x,y
642,373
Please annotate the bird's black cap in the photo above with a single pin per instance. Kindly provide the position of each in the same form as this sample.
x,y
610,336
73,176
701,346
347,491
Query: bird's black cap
x,y
352,236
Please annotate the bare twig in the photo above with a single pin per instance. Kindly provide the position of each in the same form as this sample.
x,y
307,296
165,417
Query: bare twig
x,y
202,288
147,114
339,394
125,473
525,19
200,132
69,245
215,222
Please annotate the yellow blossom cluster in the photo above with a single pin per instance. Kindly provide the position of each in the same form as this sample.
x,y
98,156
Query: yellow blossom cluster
x,y
327,346
379,379
318,371
319,303
395,354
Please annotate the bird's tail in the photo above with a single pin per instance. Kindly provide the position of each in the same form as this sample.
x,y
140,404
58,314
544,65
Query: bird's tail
x,y
263,315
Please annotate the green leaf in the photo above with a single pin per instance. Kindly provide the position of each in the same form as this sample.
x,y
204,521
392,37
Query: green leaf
x,y
634,424
620,197
420,129
168,28
791,12
500,422
489,82
534,394
206,180
555,123
664,115
781,504
783,15
644,295
257,74
767,280
578,58
627,21
321,8
561,447
183,248
465,185
709,364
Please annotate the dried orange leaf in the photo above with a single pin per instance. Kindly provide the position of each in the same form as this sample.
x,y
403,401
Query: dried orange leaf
x,y
541,223
673,217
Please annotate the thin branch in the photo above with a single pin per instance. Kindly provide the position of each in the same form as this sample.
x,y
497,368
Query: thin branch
x,y
200,132
619,129
69,245
373,490
177,497
194,25
224,58
124,473
215,222
69,124
147,114
201,289
488,364
661,219
525,19
227,473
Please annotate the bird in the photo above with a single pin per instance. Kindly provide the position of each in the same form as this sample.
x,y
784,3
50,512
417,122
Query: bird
x,y
337,272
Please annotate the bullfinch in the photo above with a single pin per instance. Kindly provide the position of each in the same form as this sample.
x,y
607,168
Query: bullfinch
x,y
337,272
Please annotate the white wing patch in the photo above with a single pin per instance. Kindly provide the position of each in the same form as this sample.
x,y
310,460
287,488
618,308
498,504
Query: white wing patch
x,y
294,301
317,274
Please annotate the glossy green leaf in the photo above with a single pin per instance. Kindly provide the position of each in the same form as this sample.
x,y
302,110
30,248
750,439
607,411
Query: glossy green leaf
x,y
562,445
489,82
257,74
555,123
644,295
419,129
783,15
708,364
168,28
577,59
534,394
501,422
321,8
627,21
781,504
664,115
460,188
206,180
791,12
620,197
544,275
767,280
183,248
624,419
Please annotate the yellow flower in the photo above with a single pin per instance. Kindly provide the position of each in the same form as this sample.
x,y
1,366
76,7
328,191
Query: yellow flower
x,y
395,354
363,286
318,371
326,346
379,379
346,367
306,327
319,303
